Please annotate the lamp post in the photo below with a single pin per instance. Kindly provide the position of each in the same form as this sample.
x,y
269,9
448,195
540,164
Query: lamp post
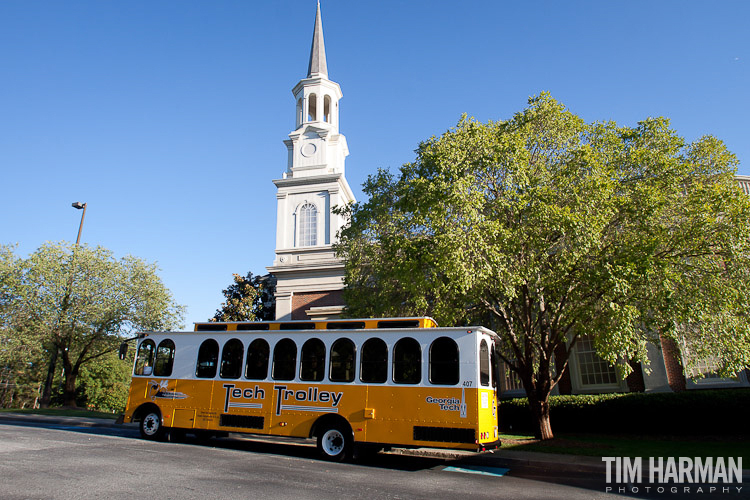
x,y
47,394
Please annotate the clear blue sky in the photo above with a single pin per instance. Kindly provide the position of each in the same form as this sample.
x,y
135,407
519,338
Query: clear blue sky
x,y
167,117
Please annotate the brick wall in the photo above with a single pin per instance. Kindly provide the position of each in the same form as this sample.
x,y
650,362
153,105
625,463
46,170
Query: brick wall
x,y
302,301
635,380
673,363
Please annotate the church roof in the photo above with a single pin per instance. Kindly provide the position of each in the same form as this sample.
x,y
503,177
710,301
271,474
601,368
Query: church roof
x,y
318,65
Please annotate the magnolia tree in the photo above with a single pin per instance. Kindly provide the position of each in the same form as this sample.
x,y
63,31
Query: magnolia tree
x,y
550,229
249,298
79,302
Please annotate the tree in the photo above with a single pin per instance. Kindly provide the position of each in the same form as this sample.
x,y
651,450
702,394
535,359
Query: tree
x,y
249,298
82,301
549,229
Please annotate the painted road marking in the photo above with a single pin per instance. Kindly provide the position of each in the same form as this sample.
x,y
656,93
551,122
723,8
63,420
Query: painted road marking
x,y
479,469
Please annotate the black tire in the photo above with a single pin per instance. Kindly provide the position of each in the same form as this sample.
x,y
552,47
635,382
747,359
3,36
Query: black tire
x,y
151,426
335,443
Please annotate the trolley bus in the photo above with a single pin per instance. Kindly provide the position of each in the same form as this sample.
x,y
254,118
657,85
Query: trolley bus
x,y
400,382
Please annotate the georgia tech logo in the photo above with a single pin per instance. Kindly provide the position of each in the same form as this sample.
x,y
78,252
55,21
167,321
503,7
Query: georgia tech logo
x,y
161,390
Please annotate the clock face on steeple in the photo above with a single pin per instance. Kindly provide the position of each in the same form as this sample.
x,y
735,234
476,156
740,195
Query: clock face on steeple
x,y
307,150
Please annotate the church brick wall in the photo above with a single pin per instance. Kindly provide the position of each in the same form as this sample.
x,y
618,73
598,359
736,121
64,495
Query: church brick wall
x,y
675,373
302,301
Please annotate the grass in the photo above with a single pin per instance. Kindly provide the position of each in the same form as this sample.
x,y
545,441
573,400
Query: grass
x,y
63,412
606,445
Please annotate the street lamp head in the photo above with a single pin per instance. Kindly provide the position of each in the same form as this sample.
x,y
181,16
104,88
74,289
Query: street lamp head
x,y
79,205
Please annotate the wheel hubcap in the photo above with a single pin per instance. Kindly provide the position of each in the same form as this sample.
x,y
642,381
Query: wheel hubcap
x,y
333,442
151,424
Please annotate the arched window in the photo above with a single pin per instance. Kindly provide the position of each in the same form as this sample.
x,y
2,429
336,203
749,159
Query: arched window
x,y
284,360
300,111
307,221
256,366
231,359
342,361
312,108
484,364
407,361
374,362
327,109
312,366
444,365
164,358
144,362
208,357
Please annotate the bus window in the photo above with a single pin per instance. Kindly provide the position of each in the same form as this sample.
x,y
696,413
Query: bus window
x,y
208,356
144,361
284,360
484,364
164,358
444,362
312,366
374,362
495,367
407,361
256,367
342,361
231,359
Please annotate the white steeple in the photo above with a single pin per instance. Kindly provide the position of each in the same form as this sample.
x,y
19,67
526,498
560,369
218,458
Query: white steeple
x,y
313,183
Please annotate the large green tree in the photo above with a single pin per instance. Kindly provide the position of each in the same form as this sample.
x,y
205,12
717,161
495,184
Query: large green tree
x,y
248,298
80,302
548,229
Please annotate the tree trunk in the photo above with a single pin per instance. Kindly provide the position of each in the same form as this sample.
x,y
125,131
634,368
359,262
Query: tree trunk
x,y
540,412
47,394
69,387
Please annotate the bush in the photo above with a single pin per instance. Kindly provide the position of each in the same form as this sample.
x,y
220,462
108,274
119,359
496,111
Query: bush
x,y
696,412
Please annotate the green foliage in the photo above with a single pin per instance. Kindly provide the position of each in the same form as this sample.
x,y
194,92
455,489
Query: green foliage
x,y
547,229
105,383
79,300
249,298
695,412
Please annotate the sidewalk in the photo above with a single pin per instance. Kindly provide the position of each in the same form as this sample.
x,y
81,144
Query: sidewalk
x,y
495,458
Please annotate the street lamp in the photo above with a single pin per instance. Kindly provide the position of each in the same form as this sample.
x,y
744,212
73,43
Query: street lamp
x,y
80,206
47,392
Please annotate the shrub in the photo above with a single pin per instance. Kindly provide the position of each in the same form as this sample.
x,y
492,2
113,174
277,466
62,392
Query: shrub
x,y
697,412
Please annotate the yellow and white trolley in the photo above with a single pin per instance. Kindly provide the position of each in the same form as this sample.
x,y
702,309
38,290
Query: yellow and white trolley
x,y
367,383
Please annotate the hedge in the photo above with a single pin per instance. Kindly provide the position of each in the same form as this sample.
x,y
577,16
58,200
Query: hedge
x,y
694,412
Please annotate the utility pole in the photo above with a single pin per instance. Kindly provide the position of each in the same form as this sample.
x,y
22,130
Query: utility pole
x,y
47,394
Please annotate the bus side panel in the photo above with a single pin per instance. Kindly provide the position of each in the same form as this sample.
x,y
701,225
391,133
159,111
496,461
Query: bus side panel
x,y
423,416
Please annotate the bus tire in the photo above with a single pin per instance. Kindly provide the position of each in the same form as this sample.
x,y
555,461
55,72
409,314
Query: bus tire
x,y
151,426
335,442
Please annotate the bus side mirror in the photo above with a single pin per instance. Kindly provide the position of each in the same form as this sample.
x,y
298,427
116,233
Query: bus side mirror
x,y
123,350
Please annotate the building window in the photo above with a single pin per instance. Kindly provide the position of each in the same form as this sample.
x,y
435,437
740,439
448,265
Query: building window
x,y
308,225
592,369
312,108
327,109
164,359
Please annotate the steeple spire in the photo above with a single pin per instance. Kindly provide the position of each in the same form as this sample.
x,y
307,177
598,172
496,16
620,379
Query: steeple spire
x,y
318,65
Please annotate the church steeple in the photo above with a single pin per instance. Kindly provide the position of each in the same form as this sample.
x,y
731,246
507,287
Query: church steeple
x,y
310,278
317,66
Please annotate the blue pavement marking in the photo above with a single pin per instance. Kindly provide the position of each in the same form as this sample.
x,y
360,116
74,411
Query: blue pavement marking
x,y
479,469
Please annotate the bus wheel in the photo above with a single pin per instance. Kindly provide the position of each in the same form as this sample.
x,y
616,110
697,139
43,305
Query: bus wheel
x,y
335,443
151,427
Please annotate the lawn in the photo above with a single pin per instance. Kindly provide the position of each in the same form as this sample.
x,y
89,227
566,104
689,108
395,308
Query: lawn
x,y
621,445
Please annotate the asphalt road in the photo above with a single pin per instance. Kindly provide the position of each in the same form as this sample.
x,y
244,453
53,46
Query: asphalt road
x,y
69,462
64,462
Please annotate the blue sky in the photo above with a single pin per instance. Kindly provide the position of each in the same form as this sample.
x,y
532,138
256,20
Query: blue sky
x,y
167,117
